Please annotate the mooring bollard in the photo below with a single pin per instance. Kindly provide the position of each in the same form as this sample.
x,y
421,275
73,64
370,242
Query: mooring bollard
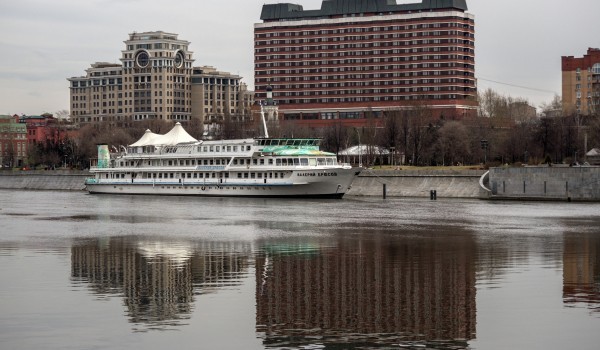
x,y
384,191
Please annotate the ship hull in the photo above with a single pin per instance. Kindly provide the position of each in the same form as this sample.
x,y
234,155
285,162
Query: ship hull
x,y
302,184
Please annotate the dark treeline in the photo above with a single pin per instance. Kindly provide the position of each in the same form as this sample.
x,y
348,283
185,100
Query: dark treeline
x,y
499,134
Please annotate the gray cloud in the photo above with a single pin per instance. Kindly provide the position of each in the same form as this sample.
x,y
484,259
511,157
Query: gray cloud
x,y
45,42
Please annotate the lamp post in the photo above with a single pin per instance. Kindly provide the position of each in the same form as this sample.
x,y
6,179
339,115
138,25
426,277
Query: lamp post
x,y
359,149
484,146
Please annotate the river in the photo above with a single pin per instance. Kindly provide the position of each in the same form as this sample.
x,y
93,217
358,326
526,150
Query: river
x,y
84,271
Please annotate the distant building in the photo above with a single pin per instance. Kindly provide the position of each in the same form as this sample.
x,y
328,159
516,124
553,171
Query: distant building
x,y
581,83
44,128
13,141
521,111
153,81
355,59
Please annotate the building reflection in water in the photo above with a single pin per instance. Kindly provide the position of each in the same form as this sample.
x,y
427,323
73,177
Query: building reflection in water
x,y
581,270
382,288
157,280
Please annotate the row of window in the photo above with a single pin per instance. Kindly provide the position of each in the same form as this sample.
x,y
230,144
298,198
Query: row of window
x,y
365,28
199,175
365,38
465,95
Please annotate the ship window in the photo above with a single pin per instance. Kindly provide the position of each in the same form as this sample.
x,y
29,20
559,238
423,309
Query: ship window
x,y
270,175
195,175
260,175
245,175
218,149
312,162
212,149
304,161
160,175
254,161
235,148
248,148
171,175
296,161
227,175
211,162
278,162
228,148
329,161
239,175
252,175
262,161
284,162
235,162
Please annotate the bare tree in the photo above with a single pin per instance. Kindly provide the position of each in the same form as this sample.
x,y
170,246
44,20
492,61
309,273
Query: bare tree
x,y
452,143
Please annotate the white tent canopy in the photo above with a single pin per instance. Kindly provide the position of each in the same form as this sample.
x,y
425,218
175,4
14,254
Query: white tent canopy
x,y
147,139
176,136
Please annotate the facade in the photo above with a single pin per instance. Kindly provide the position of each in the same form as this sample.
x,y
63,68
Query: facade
x,y
98,96
217,96
581,83
357,58
42,128
156,80
13,141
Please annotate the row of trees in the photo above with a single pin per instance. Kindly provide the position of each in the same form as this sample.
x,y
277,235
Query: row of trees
x,y
416,136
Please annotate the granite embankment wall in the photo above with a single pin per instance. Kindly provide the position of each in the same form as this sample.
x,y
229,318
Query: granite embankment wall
x,y
419,183
545,183
399,183
43,180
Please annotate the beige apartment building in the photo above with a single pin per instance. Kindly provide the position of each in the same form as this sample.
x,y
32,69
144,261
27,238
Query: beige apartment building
x,y
581,83
154,81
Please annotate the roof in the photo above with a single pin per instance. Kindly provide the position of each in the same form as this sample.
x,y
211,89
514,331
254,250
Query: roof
x,y
175,136
272,12
594,152
364,149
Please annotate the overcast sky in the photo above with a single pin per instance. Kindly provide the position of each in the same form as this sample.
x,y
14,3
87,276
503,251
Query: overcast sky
x,y
518,42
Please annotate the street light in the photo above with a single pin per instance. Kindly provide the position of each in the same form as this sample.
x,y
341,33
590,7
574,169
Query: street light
x,y
484,146
359,149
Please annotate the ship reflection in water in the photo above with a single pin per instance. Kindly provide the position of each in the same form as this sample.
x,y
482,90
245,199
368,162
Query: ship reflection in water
x,y
157,280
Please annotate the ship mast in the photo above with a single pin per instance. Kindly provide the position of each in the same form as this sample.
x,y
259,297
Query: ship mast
x,y
268,107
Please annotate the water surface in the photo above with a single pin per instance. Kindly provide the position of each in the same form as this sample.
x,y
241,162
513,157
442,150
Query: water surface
x,y
86,271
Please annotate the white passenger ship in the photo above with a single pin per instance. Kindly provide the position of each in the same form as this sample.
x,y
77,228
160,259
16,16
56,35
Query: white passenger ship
x,y
177,164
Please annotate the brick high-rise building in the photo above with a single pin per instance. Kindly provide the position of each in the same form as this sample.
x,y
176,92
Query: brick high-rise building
x,y
355,58
581,83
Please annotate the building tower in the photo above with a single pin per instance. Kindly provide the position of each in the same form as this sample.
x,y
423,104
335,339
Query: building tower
x,y
353,58
157,69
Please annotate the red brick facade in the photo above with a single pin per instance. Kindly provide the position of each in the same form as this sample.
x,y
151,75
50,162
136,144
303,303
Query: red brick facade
x,y
351,65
